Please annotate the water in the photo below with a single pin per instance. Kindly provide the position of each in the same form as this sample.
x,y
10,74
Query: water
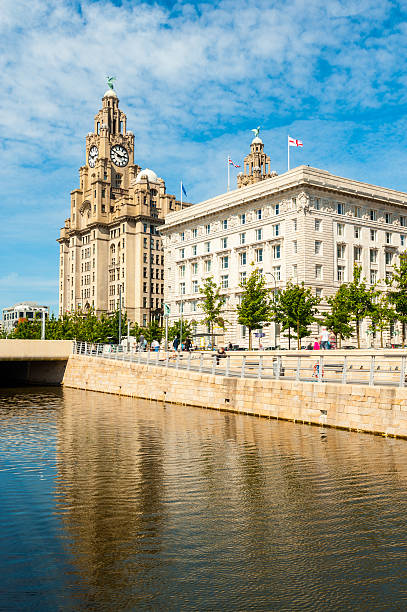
x,y
110,503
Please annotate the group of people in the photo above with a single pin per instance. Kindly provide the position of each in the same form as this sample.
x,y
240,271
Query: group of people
x,y
325,341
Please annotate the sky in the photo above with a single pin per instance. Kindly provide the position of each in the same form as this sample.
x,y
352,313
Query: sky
x,y
193,78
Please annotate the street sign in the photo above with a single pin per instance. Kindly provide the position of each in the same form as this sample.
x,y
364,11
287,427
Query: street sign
x,y
259,334
167,310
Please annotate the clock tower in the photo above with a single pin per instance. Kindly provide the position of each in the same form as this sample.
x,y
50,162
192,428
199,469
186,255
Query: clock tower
x,y
110,247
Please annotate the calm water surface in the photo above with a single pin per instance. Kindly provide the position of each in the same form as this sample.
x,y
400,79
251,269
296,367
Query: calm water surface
x,y
109,503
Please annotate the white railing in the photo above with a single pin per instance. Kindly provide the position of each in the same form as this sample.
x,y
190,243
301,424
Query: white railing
x,y
378,368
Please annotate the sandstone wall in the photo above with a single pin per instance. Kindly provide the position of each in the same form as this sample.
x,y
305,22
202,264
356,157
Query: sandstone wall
x,y
372,409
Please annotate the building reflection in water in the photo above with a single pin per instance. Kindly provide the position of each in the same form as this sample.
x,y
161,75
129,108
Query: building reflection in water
x,y
169,506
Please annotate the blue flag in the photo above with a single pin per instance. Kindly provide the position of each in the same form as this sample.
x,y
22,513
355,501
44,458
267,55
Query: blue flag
x,y
183,189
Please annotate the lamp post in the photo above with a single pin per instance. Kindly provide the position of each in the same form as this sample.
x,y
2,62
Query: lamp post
x,y
274,300
120,313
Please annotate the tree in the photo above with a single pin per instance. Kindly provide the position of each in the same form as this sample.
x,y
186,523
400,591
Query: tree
x,y
397,295
254,310
295,309
381,316
175,330
338,319
212,303
359,298
153,331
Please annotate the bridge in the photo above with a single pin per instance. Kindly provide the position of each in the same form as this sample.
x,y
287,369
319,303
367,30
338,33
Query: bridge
x,y
41,362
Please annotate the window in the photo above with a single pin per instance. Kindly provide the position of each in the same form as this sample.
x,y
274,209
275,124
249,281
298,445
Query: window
x,y
389,258
207,247
389,275
194,286
243,331
295,270
194,233
242,219
193,306
243,258
181,307
182,236
208,265
242,278
340,251
295,246
194,268
373,277
224,281
357,211
340,208
340,229
356,231
373,235
225,262
223,243
317,203
318,225
208,228
341,274
243,238
145,228
387,217
182,288
318,292
294,225
182,271
276,251
318,271
276,229
145,242
259,255
277,272
194,250
225,224
259,234
182,253
402,240
403,221
277,209
373,215
388,237
373,256
259,214
357,254
318,247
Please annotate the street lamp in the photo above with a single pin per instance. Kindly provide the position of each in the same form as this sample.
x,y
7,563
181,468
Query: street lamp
x,y
274,300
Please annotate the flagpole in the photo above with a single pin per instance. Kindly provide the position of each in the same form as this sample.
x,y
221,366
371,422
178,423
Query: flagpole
x,y
288,151
228,174
181,195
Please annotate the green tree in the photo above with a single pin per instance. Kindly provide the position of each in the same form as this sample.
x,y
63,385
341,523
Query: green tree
x,y
381,316
359,298
338,319
397,294
295,308
175,330
212,303
153,331
254,310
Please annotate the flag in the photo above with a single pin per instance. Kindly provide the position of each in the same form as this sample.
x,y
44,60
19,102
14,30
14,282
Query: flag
x,y
232,163
292,142
183,189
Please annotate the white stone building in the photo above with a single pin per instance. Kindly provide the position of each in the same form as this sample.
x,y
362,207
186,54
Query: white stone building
x,y
306,225
22,311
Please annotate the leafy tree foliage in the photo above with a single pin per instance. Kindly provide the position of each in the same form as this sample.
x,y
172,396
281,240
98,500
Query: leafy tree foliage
x,y
338,319
381,316
397,294
153,331
212,303
359,298
254,310
295,309
175,330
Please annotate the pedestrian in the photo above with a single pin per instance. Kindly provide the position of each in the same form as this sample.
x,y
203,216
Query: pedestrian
x,y
332,341
142,342
221,354
230,346
188,344
155,345
324,338
175,343
316,345
310,346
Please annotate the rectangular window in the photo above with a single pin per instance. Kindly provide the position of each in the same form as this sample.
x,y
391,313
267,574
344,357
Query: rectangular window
x,y
243,238
373,277
389,258
224,262
276,229
277,272
225,224
243,258
194,268
318,292
357,211
145,228
356,231
182,253
182,288
340,229
318,271
182,271
318,225
317,203
341,274
318,247
295,246
259,234
357,254
182,236
402,240
193,306
387,217
194,286
277,209
340,208
194,250
340,251
207,247
403,221
224,243
276,251
373,235
242,278
208,265
294,225
194,233
224,281
145,242
208,228
294,271
373,256
259,255
242,219
388,237
259,214
373,215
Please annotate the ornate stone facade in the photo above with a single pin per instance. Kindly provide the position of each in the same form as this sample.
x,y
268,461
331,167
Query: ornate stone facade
x,y
111,242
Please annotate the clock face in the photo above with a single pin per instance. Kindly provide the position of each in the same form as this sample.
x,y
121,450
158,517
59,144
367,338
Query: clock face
x,y
119,156
93,155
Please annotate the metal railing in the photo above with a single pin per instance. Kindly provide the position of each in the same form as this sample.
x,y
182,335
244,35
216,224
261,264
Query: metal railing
x,y
379,368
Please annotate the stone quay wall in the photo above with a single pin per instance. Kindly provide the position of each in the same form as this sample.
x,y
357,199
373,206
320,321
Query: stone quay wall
x,y
378,410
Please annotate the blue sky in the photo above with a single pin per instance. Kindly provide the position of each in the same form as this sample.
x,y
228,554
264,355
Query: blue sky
x,y
193,79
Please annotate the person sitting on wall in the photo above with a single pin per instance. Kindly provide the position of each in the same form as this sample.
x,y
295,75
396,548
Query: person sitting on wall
x,y
221,354
316,345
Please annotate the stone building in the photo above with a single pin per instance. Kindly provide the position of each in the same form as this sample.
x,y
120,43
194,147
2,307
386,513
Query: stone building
x,y
22,311
110,244
306,225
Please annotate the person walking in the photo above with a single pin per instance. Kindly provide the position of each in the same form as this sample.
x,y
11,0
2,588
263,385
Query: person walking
x,y
155,345
188,344
324,339
175,343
